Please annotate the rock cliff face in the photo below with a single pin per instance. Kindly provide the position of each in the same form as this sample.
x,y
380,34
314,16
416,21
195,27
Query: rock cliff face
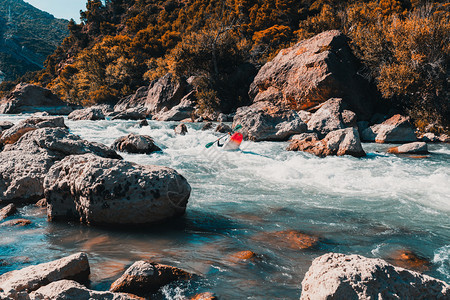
x,y
27,36
311,72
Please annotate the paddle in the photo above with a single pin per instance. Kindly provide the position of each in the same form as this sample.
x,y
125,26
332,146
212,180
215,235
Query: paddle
x,y
212,143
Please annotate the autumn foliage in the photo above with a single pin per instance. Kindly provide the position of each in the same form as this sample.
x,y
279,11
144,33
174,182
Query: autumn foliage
x,y
122,45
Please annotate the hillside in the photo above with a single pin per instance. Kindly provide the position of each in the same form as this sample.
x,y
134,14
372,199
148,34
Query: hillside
x,y
27,37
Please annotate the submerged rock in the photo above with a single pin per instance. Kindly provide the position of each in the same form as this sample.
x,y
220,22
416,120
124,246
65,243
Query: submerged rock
x,y
223,128
134,143
69,289
332,115
340,276
16,222
143,123
90,113
313,71
17,284
409,260
11,135
207,126
291,239
145,277
410,148
396,129
23,165
338,142
97,190
7,211
265,122
205,296
242,256
181,129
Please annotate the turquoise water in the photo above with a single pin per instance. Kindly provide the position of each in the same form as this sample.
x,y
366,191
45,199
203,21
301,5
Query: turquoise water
x,y
371,206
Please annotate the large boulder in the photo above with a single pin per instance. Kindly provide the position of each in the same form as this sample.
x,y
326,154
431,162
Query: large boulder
x,y
313,71
179,112
72,290
134,143
23,165
90,113
143,278
17,284
396,129
29,98
165,92
5,125
340,276
7,211
97,190
264,122
410,148
339,142
11,135
135,113
332,115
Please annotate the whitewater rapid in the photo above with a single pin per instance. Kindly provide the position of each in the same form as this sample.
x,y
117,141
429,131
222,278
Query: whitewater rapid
x,y
370,206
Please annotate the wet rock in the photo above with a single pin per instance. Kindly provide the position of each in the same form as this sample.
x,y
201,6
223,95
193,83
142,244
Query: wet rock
x,y
291,239
42,203
96,190
223,128
23,165
29,98
205,296
165,92
333,115
7,211
16,222
134,143
179,112
225,118
410,148
207,126
181,129
313,71
136,113
339,142
340,276
396,129
409,260
143,123
16,284
69,289
90,113
265,122
11,135
243,256
145,277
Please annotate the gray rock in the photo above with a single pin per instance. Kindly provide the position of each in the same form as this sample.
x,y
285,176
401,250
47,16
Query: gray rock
x,y
313,71
340,276
181,129
24,164
17,284
339,142
97,190
7,211
72,290
207,126
332,115
11,135
410,148
305,136
444,138
90,113
223,128
429,137
265,122
29,98
225,118
143,123
134,143
5,125
396,129
179,112
144,277
136,113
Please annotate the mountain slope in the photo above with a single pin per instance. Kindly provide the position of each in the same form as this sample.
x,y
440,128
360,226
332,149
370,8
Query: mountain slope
x,y
27,36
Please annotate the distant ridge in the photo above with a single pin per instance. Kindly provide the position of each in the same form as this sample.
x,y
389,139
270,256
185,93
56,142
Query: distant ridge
x,y
27,36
